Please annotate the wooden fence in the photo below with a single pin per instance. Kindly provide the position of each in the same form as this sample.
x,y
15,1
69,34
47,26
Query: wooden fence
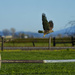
x,y
50,40
29,40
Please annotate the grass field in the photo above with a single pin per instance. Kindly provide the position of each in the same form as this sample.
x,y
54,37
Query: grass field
x,y
38,68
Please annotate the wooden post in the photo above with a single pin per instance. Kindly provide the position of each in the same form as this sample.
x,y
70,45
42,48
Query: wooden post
x,y
54,41
49,42
72,41
33,44
0,61
2,44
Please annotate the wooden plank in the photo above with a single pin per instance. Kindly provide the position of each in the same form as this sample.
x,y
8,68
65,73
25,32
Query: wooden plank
x,y
62,42
22,61
37,61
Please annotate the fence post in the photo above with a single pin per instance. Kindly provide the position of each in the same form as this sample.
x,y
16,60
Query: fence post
x,y
33,44
0,61
72,41
49,42
2,44
54,41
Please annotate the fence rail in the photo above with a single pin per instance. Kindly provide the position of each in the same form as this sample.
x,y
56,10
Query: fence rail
x,y
62,41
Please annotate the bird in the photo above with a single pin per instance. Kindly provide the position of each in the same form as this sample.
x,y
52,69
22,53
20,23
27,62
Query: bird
x,y
47,26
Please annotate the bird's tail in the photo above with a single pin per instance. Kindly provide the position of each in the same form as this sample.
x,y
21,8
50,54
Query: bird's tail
x,y
47,32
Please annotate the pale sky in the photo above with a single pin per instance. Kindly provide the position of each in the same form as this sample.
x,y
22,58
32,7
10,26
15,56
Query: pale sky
x,y
26,15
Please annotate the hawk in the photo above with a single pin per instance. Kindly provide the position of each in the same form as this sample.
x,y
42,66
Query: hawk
x,y
47,26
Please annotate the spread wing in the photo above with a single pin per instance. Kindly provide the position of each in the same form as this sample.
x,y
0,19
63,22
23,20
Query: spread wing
x,y
47,26
45,22
51,24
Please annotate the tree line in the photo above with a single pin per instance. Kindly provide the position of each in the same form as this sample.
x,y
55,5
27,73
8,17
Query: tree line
x,y
11,32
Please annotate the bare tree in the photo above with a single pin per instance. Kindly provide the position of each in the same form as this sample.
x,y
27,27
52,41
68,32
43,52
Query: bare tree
x,y
6,32
20,35
13,32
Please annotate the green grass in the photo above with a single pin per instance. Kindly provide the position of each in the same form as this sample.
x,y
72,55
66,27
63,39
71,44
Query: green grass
x,y
25,44
38,68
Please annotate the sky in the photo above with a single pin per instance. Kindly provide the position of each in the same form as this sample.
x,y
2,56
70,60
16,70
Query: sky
x,y
26,15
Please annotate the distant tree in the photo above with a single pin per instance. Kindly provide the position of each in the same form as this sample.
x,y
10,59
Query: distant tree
x,y
6,32
21,35
13,31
